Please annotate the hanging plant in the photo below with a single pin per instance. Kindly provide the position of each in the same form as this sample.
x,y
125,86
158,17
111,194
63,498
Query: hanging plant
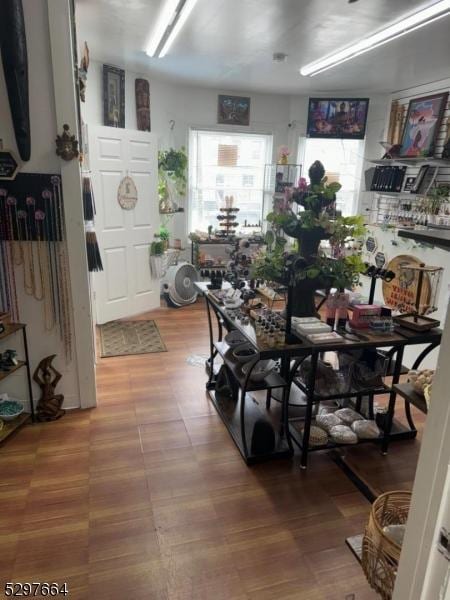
x,y
172,165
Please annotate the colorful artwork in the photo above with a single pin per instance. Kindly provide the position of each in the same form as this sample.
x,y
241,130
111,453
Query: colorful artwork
x,y
343,118
233,110
422,125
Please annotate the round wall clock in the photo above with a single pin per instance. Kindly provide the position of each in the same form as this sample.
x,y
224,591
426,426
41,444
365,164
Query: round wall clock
x,y
127,195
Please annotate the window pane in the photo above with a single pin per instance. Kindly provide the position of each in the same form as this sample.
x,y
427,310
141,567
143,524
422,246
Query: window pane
x,y
226,164
341,158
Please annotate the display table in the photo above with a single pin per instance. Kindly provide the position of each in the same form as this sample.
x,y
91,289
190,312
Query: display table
x,y
240,414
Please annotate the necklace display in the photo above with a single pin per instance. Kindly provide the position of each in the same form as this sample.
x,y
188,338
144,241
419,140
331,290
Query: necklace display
x,y
32,237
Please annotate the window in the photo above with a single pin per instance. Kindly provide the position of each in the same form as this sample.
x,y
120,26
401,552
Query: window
x,y
226,164
342,160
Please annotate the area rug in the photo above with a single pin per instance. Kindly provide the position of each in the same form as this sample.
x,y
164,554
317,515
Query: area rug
x,y
121,338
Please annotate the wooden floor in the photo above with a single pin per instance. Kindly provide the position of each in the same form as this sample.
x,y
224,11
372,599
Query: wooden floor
x,y
146,496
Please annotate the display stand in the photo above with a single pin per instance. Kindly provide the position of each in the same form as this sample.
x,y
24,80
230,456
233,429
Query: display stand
x,y
291,356
11,426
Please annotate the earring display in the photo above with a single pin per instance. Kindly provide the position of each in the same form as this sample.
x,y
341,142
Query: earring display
x,y
32,226
93,252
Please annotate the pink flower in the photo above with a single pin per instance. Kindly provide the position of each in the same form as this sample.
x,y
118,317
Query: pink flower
x,y
302,184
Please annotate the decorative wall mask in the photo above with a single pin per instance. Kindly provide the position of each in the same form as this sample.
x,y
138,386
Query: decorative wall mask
x,y
83,71
15,66
142,89
67,145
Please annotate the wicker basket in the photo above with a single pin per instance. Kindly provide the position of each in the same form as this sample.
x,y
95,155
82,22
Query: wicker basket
x,y
380,554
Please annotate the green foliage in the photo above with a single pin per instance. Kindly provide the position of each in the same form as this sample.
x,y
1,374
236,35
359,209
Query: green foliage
x,y
163,233
269,265
157,248
172,164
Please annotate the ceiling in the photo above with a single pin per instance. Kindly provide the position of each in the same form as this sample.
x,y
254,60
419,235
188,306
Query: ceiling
x,y
228,44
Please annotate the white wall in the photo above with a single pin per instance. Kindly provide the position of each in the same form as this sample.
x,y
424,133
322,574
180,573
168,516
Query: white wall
x,y
188,107
43,160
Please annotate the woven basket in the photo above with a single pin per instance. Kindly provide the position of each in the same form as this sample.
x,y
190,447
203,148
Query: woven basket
x,y
380,554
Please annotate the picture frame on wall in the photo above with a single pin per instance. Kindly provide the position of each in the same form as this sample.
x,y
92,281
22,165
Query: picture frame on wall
x,y
342,118
422,125
233,110
113,96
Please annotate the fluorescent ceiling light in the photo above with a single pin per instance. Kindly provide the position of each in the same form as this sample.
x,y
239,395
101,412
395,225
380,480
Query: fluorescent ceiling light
x,y
172,18
407,25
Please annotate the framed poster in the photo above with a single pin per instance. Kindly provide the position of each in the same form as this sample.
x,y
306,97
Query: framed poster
x,y
422,125
233,110
343,118
113,96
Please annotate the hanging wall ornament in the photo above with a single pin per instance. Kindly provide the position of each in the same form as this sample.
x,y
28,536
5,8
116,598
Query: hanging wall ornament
x,y
127,195
8,165
142,90
82,72
13,45
67,145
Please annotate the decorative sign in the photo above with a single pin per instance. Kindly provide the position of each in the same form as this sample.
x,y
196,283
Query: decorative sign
x,y
400,293
380,259
8,165
371,244
127,195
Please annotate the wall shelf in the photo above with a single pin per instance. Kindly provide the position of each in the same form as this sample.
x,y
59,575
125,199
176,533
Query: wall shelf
x,y
435,162
10,427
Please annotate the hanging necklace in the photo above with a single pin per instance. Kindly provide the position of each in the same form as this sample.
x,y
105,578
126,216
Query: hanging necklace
x,y
48,223
8,262
38,217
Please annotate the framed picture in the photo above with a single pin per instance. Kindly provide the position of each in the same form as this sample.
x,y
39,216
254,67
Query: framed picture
x,y
343,118
233,110
113,96
422,125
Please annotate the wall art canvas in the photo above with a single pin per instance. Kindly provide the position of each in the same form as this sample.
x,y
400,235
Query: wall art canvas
x,y
343,118
142,90
113,96
422,125
233,110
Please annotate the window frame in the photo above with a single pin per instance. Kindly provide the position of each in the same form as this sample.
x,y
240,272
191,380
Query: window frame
x,y
193,131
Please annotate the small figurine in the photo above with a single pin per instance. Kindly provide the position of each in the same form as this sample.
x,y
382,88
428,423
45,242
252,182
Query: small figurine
x,y
8,359
47,377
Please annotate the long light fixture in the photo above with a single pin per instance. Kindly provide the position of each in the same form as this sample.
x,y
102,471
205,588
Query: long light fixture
x,y
407,25
172,18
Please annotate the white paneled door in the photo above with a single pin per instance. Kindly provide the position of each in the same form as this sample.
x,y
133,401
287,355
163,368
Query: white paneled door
x,y
125,287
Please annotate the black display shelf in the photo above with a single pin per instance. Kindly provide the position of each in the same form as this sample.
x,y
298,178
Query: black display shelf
x,y
383,389
436,237
398,432
273,379
229,412
407,392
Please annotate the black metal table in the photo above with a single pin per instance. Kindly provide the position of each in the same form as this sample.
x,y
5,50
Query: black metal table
x,y
280,385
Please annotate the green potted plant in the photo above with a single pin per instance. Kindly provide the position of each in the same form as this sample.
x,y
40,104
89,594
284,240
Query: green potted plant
x,y
306,268
172,179
157,249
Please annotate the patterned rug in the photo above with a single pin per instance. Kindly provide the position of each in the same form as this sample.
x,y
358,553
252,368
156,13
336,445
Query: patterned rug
x,y
119,338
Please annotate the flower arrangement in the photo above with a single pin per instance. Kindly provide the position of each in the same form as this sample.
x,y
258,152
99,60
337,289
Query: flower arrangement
x,y
307,268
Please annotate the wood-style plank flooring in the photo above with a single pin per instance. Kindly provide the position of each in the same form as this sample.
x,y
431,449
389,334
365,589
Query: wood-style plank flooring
x,y
146,496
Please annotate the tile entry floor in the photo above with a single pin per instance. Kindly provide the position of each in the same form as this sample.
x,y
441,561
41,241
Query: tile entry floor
x,y
146,496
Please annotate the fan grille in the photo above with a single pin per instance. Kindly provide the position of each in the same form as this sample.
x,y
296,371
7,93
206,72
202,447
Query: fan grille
x,y
184,282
